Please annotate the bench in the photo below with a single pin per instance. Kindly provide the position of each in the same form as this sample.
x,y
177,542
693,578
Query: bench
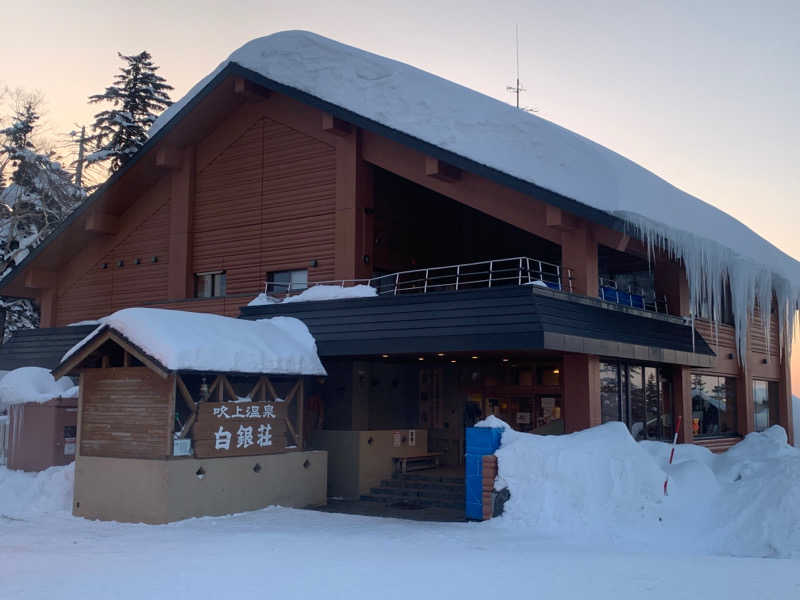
x,y
420,462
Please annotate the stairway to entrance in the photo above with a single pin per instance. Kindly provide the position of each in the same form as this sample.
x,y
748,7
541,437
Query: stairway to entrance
x,y
437,488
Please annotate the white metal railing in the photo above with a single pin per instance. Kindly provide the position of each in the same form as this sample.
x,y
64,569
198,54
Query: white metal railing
x,y
483,274
636,297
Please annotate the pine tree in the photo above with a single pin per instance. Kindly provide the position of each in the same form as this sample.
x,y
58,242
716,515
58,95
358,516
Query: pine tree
x,y
39,195
138,95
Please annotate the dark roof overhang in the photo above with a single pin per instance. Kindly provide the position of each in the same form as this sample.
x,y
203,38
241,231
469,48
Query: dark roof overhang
x,y
508,319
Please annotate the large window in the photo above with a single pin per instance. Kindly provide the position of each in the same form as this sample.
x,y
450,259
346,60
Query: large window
x,y
765,400
639,396
713,405
281,282
209,285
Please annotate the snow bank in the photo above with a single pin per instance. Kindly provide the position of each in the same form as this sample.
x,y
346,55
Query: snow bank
x,y
34,384
182,340
319,292
599,485
23,495
714,246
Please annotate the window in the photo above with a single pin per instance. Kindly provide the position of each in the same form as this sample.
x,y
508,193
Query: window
x,y
726,309
639,396
765,401
209,285
713,405
281,282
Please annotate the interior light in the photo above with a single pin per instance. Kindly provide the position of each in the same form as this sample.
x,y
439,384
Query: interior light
x,y
556,371
474,357
505,360
421,358
384,356
440,354
453,361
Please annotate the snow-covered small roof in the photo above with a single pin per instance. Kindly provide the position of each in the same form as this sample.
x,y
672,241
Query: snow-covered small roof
x,y
187,341
34,384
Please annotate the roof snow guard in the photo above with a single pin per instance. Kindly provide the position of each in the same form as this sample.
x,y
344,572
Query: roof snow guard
x,y
168,340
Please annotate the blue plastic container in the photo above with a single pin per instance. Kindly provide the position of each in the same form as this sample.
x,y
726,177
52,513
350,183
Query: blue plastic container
x,y
481,441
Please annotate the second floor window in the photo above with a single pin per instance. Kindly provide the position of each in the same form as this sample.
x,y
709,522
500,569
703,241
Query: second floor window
x,y
209,285
282,282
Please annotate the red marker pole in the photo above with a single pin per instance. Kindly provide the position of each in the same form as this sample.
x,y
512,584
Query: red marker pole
x,y
672,451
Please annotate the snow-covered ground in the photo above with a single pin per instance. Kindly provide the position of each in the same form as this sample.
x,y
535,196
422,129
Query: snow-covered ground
x,y
285,553
598,527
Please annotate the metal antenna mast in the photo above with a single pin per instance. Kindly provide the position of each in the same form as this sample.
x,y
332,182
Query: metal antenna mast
x,y
516,89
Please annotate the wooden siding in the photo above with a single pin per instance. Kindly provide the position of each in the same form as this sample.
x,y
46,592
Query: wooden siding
x,y
758,338
101,291
125,413
266,203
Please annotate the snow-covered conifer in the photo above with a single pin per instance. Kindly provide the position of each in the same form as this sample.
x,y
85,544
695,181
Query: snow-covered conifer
x,y
38,195
137,96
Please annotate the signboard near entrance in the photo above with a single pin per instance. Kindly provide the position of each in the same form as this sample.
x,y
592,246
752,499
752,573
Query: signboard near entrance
x,y
239,429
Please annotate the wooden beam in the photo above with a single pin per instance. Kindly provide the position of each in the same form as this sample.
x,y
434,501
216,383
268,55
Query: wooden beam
x,y
187,397
229,388
214,385
270,388
335,126
102,224
169,158
249,91
441,170
290,396
559,220
171,416
38,279
256,388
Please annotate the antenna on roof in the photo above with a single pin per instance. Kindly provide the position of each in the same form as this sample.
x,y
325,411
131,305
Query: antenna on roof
x,y
516,89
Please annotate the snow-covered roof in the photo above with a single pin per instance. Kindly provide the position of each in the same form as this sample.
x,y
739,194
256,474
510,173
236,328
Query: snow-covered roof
x,y
713,245
34,384
187,341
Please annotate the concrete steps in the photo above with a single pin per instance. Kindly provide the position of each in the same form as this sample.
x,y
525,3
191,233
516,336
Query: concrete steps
x,y
418,490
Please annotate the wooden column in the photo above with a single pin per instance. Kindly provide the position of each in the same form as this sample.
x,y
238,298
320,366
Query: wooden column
x,y
682,399
579,253
354,229
47,307
180,284
671,282
785,399
745,409
581,383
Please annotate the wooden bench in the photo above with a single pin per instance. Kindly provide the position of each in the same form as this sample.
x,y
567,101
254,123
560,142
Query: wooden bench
x,y
420,462
718,445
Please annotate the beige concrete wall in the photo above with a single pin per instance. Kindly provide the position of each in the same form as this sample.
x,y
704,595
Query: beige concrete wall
x,y
160,491
358,460
342,449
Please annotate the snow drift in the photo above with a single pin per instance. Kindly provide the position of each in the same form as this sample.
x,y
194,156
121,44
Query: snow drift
x,y
182,340
714,247
600,486
23,495
317,293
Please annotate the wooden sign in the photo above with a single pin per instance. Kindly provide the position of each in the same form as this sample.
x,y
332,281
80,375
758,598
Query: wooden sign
x,y
239,429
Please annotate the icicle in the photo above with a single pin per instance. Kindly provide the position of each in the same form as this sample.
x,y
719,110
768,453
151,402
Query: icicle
x,y
710,266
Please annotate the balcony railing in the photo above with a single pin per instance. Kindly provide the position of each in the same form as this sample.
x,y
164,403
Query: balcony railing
x,y
636,297
484,274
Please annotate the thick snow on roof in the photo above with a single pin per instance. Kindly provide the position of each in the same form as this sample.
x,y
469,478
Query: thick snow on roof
x,y
34,384
713,245
202,342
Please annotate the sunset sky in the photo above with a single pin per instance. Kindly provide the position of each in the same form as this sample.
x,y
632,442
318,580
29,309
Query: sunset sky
x,y
705,94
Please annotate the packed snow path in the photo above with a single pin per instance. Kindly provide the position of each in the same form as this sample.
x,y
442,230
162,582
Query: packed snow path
x,y
287,554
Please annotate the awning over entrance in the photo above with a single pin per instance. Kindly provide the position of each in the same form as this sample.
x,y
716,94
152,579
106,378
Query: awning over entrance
x,y
501,319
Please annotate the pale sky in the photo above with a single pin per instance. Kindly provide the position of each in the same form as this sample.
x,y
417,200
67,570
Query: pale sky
x,y
705,94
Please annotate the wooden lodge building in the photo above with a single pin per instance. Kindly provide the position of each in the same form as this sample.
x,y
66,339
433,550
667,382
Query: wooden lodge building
x,y
494,295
